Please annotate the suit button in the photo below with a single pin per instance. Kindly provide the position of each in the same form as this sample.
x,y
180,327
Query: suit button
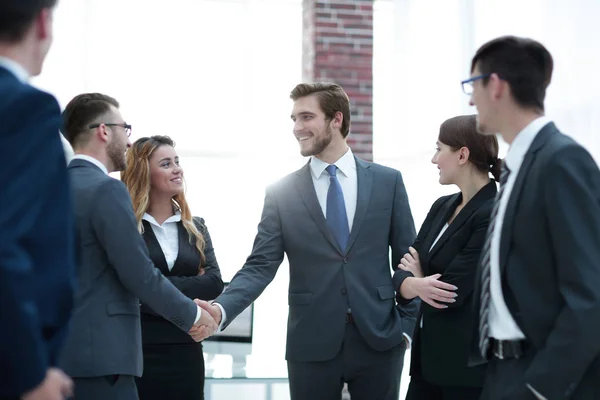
x,y
343,291
345,260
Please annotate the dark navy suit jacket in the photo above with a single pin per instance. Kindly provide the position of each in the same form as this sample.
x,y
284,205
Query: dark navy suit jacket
x,y
36,236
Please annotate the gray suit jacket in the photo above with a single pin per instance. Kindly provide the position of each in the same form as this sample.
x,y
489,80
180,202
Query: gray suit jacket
x,y
324,279
114,273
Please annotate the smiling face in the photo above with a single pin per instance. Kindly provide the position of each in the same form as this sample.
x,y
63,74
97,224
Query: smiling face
x,y
312,129
166,176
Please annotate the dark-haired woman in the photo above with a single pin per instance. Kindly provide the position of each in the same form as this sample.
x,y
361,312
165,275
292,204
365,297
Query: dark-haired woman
x,y
444,260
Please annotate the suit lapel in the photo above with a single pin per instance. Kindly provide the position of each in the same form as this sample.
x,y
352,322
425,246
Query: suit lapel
x,y
364,177
485,193
156,253
306,188
441,219
515,194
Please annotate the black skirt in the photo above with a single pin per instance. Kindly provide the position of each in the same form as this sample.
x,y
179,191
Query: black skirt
x,y
172,372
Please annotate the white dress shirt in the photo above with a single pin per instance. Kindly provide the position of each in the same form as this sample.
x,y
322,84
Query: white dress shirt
x,y
15,68
502,324
167,236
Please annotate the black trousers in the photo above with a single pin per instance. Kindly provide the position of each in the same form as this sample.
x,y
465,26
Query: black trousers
x,y
420,389
172,371
370,374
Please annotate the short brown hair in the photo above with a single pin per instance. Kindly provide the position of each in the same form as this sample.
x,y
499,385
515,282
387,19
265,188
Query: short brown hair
x,y
524,63
460,132
16,16
332,99
82,111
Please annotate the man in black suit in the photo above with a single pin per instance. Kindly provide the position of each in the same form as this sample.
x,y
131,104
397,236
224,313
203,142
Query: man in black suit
x,y
36,222
103,351
538,290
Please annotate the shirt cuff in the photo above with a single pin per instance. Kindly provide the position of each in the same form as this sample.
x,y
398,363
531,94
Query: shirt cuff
x,y
536,393
223,316
198,314
408,340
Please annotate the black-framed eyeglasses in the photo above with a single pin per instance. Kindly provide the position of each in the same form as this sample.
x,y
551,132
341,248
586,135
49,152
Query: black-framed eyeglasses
x,y
125,126
467,84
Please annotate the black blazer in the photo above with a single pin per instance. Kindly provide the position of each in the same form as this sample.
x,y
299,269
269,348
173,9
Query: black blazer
x,y
550,267
184,276
37,253
441,348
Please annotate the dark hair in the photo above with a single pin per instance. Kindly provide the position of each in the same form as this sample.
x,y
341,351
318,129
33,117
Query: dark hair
x,y
524,63
461,132
82,111
16,16
332,99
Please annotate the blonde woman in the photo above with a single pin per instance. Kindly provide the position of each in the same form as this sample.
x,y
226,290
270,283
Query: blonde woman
x,y
180,247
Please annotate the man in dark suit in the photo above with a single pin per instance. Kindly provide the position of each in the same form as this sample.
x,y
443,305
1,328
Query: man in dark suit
x,y
36,222
103,352
538,291
336,219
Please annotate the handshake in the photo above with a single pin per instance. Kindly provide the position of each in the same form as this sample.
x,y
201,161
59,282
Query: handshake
x,y
209,321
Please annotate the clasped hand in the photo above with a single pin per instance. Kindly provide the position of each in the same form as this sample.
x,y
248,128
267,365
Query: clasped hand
x,y
209,321
428,288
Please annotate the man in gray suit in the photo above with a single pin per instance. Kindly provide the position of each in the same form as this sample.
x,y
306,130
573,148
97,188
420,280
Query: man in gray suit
x,y
336,219
103,351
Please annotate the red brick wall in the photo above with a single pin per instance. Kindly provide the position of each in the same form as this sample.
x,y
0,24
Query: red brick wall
x,y
338,47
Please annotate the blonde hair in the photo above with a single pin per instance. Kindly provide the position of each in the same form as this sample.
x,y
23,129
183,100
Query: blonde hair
x,y
136,178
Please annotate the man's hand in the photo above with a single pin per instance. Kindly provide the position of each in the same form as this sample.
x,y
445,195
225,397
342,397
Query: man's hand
x,y
429,289
55,386
212,309
410,262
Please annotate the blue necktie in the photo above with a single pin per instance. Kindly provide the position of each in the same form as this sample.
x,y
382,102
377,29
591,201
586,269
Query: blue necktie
x,y
337,219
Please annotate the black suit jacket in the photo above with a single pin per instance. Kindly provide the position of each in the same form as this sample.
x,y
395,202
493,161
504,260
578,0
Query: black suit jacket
x,y
441,348
184,276
37,259
550,266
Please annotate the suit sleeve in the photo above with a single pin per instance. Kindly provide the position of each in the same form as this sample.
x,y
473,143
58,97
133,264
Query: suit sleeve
x,y
572,193
260,267
425,227
29,146
462,269
115,227
402,235
208,285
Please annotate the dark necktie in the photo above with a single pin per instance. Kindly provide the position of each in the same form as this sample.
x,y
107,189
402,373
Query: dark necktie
x,y
337,219
486,264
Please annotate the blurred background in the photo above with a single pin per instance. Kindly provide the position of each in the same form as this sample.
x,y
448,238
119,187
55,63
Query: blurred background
x,y
215,75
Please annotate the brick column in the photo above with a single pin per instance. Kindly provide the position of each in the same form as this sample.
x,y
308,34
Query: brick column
x,y
338,47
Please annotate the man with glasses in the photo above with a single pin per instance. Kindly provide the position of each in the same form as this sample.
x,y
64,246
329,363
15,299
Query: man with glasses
x,y
103,352
36,238
537,296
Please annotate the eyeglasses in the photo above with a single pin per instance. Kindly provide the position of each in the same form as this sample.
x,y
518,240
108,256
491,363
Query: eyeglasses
x,y
467,84
125,126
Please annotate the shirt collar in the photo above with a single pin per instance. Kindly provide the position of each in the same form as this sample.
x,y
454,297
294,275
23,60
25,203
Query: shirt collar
x,y
14,68
172,219
520,146
92,160
345,164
